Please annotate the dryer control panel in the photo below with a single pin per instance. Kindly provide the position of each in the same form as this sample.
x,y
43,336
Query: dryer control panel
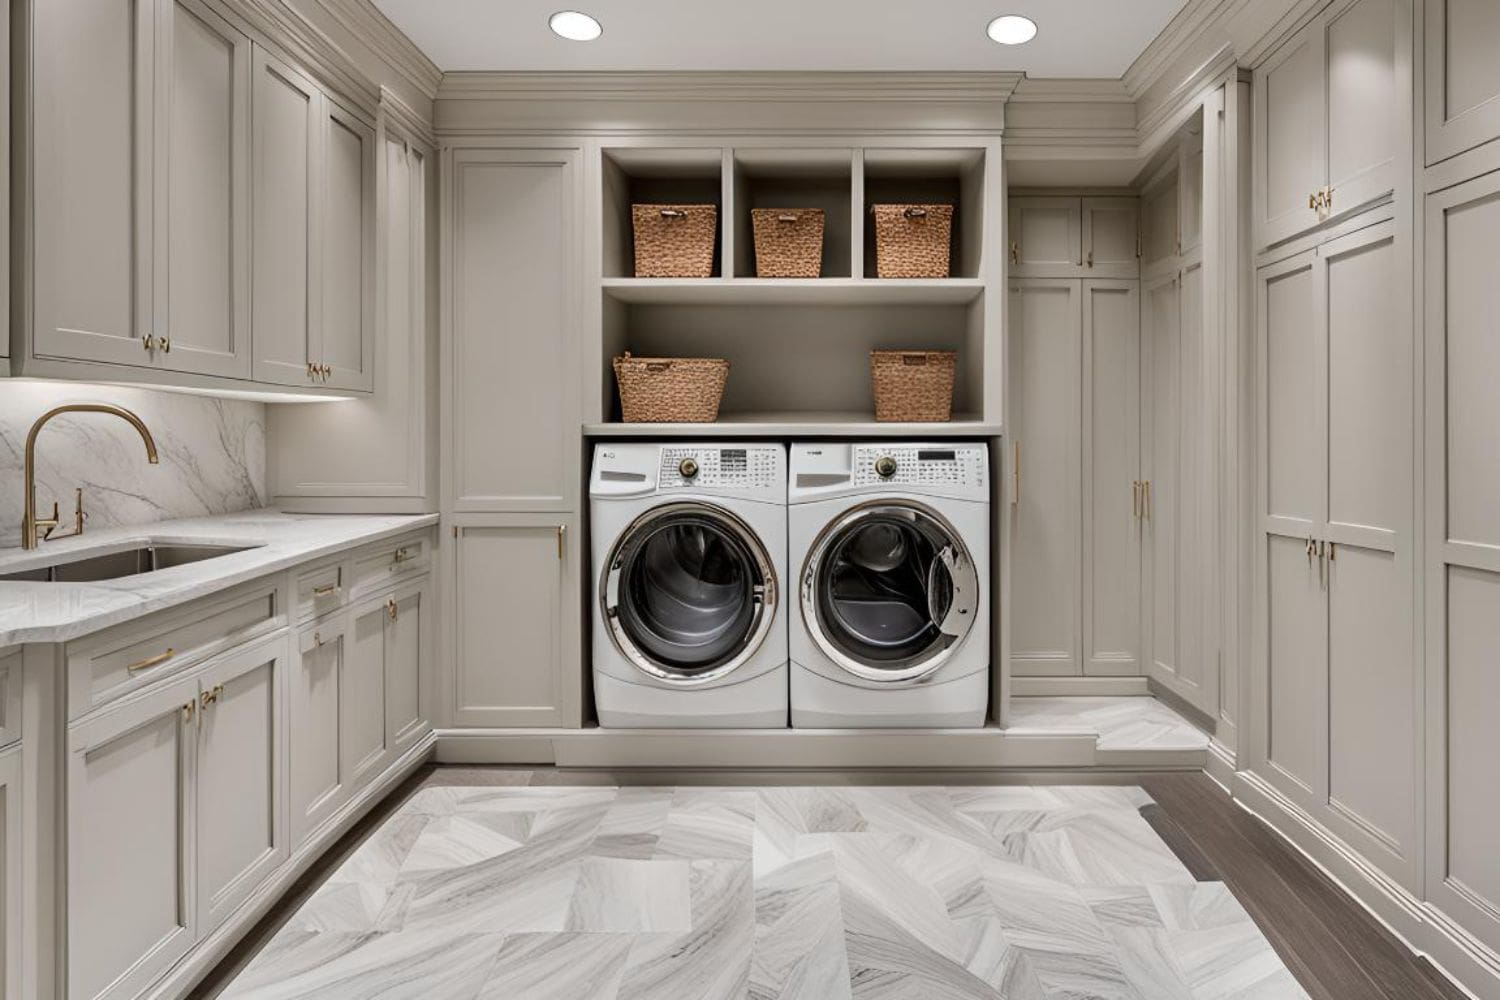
x,y
736,468
959,466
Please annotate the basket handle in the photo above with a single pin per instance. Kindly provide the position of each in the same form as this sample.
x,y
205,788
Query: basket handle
x,y
674,213
914,360
913,212
788,218
658,366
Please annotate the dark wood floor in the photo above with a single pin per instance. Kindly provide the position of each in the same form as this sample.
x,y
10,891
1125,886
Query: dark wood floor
x,y
1334,947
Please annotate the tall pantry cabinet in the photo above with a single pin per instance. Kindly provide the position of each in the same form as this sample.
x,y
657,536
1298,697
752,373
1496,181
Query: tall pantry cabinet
x,y
1333,700
511,432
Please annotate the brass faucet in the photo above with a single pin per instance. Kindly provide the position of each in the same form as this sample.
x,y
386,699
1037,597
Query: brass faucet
x,y
35,529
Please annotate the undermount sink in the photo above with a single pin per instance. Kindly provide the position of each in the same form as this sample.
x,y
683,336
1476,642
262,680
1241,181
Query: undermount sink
x,y
145,558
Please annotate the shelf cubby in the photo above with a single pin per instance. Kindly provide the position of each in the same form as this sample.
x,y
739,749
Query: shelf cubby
x,y
656,175
800,359
795,178
928,176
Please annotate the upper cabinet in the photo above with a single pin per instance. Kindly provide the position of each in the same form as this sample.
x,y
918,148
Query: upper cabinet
x,y
198,215
1054,237
1326,120
314,182
1463,76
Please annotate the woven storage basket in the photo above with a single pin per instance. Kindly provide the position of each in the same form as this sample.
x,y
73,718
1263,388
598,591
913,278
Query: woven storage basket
x,y
913,385
674,241
669,390
788,242
911,241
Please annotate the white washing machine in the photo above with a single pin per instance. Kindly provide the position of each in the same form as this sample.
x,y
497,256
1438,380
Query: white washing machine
x,y
891,546
689,557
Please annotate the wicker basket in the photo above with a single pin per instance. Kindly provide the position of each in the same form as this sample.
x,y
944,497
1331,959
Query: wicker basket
x,y
912,241
913,385
788,242
674,241
670,390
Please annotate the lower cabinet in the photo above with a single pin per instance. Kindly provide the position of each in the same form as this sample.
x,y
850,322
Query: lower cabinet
x,y
172,818
515,598
10,873
408,634
319,773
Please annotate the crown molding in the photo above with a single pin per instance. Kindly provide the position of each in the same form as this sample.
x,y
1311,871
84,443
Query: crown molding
x,y
288,32
722,102
1196,19
406,120
374,30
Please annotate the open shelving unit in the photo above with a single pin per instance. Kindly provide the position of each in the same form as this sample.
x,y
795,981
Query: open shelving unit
x,y
799,348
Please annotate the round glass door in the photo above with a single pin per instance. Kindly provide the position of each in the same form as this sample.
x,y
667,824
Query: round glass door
x,y
689,593
889,591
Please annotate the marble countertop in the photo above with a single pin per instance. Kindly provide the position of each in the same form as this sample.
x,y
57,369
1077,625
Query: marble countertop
x,y
58,612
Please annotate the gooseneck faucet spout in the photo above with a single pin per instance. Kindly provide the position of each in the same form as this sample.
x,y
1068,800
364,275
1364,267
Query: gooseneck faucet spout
x,y
33,528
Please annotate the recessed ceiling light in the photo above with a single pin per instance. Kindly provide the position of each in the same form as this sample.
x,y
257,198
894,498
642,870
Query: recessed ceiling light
x,y
575,26
1012,29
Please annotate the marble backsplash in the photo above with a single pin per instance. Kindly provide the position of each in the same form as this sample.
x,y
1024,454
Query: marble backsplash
x,y
213,455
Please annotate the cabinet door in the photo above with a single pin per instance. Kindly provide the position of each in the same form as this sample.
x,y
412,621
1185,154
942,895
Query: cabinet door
x,y
1160,454
346,337
1161,236
1372,681
318,776
91,179
517,622
1045,236
1463,76
1362,123
362,745
1293,488
1045,413
130,829
1291,136
242,835
202,250
406,643
1111,464
1111,235
287,115
512,419
11,832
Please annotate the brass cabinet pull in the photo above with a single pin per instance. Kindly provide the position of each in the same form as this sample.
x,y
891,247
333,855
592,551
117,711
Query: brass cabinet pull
x,y
561,532
149,343
391,609
1312,201
212,695
1146,500
1333,548
1135,499
1089,260
151,661
166,345
326,590
401,555
1015,253
187,712
317,638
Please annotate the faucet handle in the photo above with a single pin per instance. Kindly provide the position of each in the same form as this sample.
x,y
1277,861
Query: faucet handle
x,y
49,524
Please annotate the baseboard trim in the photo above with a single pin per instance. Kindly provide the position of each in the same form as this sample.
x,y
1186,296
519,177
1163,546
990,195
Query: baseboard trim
x,y
1422,927
1097,687
1221,765
211,950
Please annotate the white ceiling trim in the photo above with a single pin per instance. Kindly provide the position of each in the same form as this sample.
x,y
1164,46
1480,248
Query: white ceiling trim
x,y
366,22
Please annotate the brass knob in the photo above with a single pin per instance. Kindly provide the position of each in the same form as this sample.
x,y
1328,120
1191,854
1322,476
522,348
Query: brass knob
x,y
885,467
688,468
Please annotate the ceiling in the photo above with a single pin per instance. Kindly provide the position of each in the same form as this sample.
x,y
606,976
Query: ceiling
x,y
1077,38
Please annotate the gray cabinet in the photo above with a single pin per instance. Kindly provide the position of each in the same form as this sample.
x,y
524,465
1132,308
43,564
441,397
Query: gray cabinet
x,y
362,709
1463,76
408,635
241,826
1327,120
314,225
511,418
517,621
320,780
201,259
1059,237
130,805
1336,622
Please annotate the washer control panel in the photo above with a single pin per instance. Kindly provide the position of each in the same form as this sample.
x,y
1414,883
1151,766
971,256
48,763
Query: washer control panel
x,y
952,466
750,467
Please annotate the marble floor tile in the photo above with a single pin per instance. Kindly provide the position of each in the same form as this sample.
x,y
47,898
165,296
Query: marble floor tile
x,y
483,891
1122,723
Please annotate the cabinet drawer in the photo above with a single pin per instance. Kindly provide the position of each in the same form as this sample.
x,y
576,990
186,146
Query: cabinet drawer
x,y
320,591
105,667
390,561
10,697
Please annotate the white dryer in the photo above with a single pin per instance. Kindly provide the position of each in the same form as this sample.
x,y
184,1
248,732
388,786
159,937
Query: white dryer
x,y
689,557
891,546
